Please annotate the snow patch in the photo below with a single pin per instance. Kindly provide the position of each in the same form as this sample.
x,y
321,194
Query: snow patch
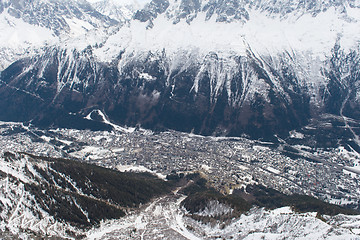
x,y
147,77
214,209
296,135
134,168
273,170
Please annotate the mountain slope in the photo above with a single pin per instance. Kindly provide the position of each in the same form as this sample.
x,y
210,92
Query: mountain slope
x,y
28,26
118,10
57,15
55,197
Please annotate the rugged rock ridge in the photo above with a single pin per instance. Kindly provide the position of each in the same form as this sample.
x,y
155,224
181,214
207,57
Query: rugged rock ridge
x,y
120,11
28,26
52,14
237,10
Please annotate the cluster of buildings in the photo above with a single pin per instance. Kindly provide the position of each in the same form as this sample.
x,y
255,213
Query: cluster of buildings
x,y
227,163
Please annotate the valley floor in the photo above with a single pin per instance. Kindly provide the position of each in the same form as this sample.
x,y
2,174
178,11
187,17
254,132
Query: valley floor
x,y
228,164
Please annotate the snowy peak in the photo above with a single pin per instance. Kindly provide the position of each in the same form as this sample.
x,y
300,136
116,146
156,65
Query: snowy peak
x,y
118,10
286,7
29,26
22,39
152,10
56,15
238,10
226,11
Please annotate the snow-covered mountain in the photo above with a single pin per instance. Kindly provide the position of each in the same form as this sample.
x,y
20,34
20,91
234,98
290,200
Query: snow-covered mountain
x,y
212,67
29,26
215,67
59,16
120,10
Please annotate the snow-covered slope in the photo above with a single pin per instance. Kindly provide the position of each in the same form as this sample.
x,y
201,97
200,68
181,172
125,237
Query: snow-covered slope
x,y
61,198
120,10
20,212
301,32
24,215
57,15
270,28
28,26
21,39
281,223
271,38
165,219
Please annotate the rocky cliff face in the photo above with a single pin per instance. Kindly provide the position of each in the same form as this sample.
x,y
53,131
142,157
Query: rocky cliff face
x,y
55,15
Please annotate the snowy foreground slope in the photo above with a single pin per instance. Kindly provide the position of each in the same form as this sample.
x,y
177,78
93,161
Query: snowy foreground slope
x,y
25,214
164,219
57,197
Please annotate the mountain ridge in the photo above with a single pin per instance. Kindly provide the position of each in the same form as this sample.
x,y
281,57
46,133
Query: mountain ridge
x,y
199,74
